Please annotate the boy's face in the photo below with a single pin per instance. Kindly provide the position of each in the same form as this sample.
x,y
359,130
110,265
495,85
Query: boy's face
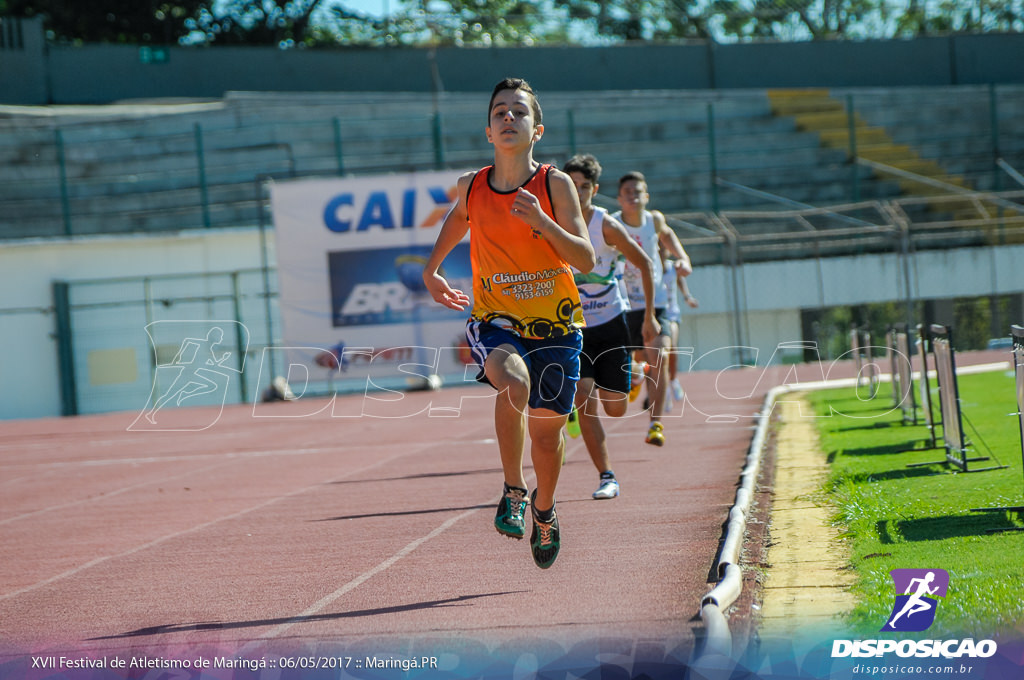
x,y
633,196
584,187
512,121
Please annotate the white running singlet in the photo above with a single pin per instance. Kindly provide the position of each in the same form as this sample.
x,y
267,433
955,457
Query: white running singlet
x,y
600,293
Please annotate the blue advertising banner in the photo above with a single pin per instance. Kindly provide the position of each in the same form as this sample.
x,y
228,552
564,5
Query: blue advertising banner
x,y
385,286
350,256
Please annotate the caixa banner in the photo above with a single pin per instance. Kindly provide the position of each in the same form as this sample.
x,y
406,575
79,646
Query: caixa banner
x,y
350,256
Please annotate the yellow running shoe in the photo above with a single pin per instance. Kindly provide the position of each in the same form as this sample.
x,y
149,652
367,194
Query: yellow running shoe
x,y
636,379
572,426
655,434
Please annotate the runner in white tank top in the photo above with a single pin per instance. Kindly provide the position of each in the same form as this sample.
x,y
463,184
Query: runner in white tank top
x,y
650,229
600,293
647,238
605,360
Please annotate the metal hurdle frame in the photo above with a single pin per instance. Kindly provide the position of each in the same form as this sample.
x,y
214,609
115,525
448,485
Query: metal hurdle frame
x,y
1017,334
902,374
860,345
924,384
953,437
890,354
858,360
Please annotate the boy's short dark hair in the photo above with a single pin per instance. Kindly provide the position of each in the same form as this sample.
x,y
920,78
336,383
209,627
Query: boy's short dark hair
x,y
586,165
517,84
635,175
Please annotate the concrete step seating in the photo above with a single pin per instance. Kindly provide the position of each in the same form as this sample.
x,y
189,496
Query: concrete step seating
x,y
911,133
832,119
136,167
120,163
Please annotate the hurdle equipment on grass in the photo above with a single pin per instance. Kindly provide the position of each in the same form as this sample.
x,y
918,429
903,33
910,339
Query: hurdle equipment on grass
x,y
1017,334
902,378
890,355
867,369
924,383
953,437
949,396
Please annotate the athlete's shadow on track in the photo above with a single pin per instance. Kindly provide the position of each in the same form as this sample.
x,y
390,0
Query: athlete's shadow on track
x,y
170,628
425,511
424,475
459,473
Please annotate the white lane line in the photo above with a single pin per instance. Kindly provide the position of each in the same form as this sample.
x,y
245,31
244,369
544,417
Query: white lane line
x,y
358,581
110,494
327,600
157,459
194,456
200,527
223,458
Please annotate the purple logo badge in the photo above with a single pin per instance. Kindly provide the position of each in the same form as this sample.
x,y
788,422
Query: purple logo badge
x,y
916,593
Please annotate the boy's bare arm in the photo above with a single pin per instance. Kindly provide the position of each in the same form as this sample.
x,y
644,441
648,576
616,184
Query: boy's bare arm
x,y
671,242
616,236
452,232
684,287
567,233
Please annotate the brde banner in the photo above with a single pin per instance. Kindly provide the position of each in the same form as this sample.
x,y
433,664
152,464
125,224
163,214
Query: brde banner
x,y
350,256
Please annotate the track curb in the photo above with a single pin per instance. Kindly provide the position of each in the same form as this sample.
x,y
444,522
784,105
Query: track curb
x,y
717,644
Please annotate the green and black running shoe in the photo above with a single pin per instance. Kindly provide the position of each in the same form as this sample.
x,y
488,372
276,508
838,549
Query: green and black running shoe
x,y
510,519
544,541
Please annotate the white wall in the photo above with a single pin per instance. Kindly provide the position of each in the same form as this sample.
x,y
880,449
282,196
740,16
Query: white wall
x,y
28,352
773,294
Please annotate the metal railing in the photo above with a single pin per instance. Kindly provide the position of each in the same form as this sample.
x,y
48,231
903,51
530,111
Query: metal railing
x,y
701,151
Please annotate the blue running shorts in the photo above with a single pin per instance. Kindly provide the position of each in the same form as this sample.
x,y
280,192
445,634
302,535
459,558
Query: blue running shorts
x,y
554,364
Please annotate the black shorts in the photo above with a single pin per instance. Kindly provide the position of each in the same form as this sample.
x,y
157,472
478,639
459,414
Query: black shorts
x,y
635,322
605,356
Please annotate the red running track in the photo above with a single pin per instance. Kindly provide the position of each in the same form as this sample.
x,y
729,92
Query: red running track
x,y
358,527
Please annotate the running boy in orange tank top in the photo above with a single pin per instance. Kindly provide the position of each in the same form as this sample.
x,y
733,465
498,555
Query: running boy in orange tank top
x,y
526,233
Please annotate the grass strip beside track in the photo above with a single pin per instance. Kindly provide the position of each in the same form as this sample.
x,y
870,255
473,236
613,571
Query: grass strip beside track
x,y
895,516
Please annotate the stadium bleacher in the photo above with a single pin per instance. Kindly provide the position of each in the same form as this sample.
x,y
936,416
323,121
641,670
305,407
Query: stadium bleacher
x,y
166,166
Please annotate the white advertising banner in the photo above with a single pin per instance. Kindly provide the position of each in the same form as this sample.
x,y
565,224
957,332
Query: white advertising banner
x,y
350,256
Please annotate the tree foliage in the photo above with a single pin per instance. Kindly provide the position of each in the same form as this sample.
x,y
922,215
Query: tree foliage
x,y
109,21
730,20
259,22
473,22
289,23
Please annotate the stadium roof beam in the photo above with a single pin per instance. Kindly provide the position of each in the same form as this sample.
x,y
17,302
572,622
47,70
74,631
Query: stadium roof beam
x,y
789,201
1011,171
975,197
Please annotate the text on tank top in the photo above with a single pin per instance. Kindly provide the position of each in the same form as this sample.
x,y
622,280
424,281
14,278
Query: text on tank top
x,y
600,291
520,283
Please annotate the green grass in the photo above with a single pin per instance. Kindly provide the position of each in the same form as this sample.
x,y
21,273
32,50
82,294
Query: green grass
x,y
895,516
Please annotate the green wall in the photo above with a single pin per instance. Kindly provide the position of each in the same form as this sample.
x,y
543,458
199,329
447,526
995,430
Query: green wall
x,y
37,74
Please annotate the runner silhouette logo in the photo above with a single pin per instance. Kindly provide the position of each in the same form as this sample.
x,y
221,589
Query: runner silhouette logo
x,y
917,593
195,363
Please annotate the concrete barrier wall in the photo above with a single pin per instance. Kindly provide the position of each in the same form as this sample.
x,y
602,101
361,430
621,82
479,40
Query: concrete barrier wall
x,y
769,310
97,74
23,65
890,63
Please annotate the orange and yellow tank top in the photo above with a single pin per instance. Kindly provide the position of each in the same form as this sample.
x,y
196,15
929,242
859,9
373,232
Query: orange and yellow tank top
x,y
519,282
